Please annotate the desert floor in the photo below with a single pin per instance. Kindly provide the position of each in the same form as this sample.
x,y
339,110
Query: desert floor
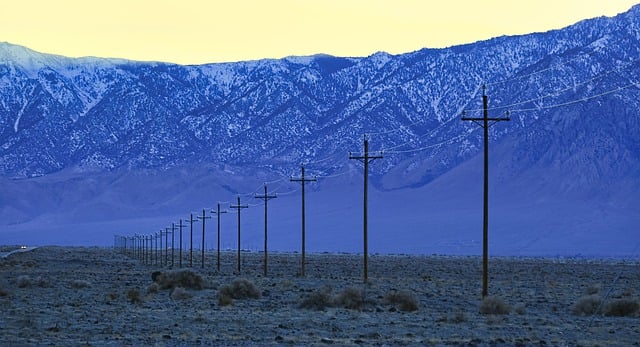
x,y
75,296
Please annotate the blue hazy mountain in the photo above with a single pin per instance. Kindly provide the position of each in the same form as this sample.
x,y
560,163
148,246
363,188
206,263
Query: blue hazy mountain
x,y
91,147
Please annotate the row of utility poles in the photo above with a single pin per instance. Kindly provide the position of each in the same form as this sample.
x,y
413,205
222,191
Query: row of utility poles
x,y
141,246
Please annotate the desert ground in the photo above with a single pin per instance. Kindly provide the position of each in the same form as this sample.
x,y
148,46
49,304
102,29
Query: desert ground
x,y
80,296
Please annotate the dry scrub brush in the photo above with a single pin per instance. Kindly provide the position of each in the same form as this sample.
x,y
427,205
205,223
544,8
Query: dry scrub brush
x,y
77,284
180,293
134,296
494,305
350,298
592,304
182,278
239,289
403,300
318,300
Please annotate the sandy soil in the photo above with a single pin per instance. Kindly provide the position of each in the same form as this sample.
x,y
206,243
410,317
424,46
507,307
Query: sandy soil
x,y
78,297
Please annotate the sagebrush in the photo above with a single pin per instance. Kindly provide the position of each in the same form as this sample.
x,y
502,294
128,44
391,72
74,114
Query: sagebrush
x,y
181,278
494,305
403,300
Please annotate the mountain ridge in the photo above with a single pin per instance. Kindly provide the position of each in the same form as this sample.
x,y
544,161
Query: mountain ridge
x,y
98,125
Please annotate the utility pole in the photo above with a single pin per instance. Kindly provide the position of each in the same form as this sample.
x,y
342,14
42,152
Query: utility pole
x,y
166,246
484,123
303,181
191,221
161,249
266,197
366,159
180,254
239,207
203,217
173,248
218,212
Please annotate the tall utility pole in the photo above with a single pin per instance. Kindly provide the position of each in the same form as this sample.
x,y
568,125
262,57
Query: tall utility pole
x,y
218,212
303,181
239,207
203,217
366,159
156,240
191,221
484,123
266,197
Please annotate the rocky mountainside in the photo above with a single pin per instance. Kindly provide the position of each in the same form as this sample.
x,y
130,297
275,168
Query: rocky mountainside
x,y
572,94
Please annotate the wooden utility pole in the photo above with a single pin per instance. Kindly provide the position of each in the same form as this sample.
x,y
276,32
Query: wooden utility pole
x,y
366,159
484,123
203,218
303,180
218,212
266,197
191,221
239,207
180,252
166,246
173,248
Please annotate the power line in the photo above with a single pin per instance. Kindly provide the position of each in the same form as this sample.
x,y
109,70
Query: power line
x,y
303,181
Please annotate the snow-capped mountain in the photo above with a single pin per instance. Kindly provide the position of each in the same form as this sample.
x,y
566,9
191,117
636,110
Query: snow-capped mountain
x,y
133,138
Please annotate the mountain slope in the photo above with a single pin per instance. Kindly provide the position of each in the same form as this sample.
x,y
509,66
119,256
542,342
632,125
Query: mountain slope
x,y
130,138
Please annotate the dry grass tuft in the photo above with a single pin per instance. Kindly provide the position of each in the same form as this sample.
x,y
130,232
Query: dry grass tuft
x,y
3,292
621,308
24,281
134,296
494,305
224,300
153,288
318,300
180,293
586,305
240,289
593,289
182,278
77,284
403,300
350,298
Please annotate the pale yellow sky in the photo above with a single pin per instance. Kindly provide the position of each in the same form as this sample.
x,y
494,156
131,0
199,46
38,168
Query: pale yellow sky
x,y
202,31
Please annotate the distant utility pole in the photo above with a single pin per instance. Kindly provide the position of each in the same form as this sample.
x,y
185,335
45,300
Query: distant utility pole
x,y
156,241
161,249
266,197
218,212
191,221
166,246
173,248
204,218
180,254
484,123
303,181
366,159
239,207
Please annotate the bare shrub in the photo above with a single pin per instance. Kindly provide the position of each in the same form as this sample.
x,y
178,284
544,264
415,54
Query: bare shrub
x,y
24,281
153,288
350,298
403,300
593,289
182,278
133,295
77,284
586,305
3,292
318,300
224,300
41,282
180,293
494,305
240,289
621,308
520,309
